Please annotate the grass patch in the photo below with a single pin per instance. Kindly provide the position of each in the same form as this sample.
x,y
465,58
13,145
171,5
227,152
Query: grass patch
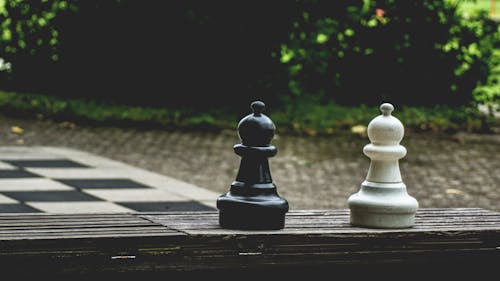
x,y
304,117
313,118
92,112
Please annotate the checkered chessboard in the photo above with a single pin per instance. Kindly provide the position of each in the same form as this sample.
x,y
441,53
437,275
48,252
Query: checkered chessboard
x,y
60,180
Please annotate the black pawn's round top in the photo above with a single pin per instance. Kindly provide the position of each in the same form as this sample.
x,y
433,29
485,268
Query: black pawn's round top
x,y
256,129
257,107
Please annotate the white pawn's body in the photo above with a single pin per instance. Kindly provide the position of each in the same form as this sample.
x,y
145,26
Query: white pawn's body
x,y
382,201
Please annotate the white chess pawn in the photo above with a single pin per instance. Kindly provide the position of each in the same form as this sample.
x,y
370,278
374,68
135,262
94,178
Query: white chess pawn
x,y
382,201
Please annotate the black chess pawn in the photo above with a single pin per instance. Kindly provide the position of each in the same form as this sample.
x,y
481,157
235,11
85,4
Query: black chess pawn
x,y
252,201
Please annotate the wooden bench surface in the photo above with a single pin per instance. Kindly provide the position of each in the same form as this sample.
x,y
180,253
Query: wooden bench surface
x,y
186,241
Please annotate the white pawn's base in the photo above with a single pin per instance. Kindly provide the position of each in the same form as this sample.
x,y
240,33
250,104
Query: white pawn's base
x,y
382,205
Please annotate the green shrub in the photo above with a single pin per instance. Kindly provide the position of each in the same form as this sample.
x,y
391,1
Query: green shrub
x,y
27,28
407,52
227,53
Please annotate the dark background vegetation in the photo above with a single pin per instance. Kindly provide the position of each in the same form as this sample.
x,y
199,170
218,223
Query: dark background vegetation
x,y
158,53
224,54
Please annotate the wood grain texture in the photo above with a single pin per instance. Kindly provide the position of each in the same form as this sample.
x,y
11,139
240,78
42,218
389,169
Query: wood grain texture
x,y
193,241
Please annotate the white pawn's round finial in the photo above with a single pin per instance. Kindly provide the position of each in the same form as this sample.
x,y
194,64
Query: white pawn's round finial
x,y
385,129
386,108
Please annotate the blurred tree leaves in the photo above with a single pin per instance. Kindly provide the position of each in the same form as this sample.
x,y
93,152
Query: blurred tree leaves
x,y
409,52
225,53
26,27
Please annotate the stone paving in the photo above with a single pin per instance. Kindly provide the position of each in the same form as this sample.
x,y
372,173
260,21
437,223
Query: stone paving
x,y
461,170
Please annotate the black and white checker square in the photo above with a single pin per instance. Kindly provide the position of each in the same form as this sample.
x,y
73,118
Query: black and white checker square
x,y
9,205
15,174
45,163
103,183
59,180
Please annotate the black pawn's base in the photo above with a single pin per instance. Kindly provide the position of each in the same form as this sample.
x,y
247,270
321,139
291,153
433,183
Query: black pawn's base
x,y
252,207
252,220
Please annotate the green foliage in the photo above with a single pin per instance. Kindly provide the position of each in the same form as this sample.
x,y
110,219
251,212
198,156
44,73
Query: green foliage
x,y
26,27
311,117
468,7
91,111
408,52
489,92
306,117
348,52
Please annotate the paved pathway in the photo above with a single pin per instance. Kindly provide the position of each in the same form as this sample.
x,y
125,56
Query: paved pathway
x,y
311,172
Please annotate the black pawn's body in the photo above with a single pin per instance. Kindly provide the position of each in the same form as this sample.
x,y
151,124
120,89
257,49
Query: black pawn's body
x,y
253,202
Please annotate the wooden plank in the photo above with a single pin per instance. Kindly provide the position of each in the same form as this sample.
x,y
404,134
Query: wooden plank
x,y
84,234
69,222
189,241
36,227
329,221
20,216
142,229
66,226
337,221
78,222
